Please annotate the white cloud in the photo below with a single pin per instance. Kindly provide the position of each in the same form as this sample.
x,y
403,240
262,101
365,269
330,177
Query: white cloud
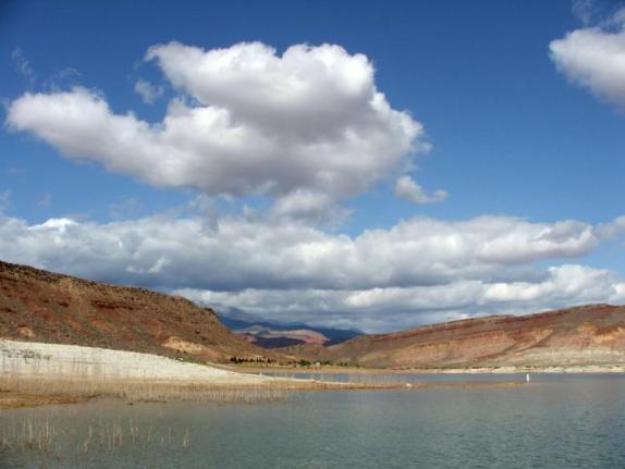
x,y
583,284
149,93
407,188
308,120
56,226
612,229
595,58
420,269
309,206
234,252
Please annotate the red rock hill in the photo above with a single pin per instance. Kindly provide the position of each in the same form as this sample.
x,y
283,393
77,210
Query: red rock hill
x,y
46,307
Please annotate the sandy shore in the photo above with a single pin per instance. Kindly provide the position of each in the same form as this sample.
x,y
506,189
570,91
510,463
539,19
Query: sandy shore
x,y
38,374
32,359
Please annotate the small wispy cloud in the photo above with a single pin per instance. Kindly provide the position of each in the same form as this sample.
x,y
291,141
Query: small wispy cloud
x,y
45,201
13,171
22,65
5,200
149,93
584,10
406,188
124,208
62,79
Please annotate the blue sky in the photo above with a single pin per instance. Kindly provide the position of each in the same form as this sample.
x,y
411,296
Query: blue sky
x,y
526,134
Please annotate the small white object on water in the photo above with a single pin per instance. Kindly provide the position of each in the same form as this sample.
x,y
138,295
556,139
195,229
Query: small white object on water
x,y
527,377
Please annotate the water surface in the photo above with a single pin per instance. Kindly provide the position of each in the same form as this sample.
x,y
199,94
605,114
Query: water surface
x,y
557,421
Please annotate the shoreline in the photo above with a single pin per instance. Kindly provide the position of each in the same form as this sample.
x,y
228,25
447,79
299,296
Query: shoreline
x,y
34,374
332,370
42,391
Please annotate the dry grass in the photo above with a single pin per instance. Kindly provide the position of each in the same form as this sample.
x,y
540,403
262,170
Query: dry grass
x,y
139,390
25,391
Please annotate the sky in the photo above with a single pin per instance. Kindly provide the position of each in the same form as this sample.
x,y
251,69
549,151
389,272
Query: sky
x,y
370,165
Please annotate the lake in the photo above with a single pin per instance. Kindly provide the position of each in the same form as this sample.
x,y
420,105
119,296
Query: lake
x,y
556,421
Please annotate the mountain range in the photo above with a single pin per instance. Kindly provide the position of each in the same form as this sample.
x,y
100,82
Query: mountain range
x,y
274,335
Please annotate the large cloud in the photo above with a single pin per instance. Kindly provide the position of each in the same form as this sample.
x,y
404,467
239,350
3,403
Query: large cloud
x,y
418,270
595,58
247,121
236,252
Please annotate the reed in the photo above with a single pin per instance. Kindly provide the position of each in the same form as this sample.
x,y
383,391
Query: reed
x,y
32,438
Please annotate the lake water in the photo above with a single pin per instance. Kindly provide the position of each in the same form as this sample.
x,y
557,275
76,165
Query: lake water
x,y
557,421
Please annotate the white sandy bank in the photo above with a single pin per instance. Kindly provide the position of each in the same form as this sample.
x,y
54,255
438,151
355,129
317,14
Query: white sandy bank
x,y
72,361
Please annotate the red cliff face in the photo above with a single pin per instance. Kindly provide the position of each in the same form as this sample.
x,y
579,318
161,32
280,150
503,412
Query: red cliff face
x,y
588,335
46,307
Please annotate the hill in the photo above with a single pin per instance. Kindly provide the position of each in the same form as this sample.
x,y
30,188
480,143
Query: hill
x,y
40,306
591,335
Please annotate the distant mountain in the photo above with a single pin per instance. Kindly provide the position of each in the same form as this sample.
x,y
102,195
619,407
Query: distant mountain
x,y
273,335
591,335
46,307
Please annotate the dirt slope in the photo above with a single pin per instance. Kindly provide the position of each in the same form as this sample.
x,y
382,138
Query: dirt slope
x,y
582,336
45,307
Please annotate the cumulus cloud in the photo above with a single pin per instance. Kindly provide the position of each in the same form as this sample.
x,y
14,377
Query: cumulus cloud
x,y
417,269
594,58
247,120
407,188
149,93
